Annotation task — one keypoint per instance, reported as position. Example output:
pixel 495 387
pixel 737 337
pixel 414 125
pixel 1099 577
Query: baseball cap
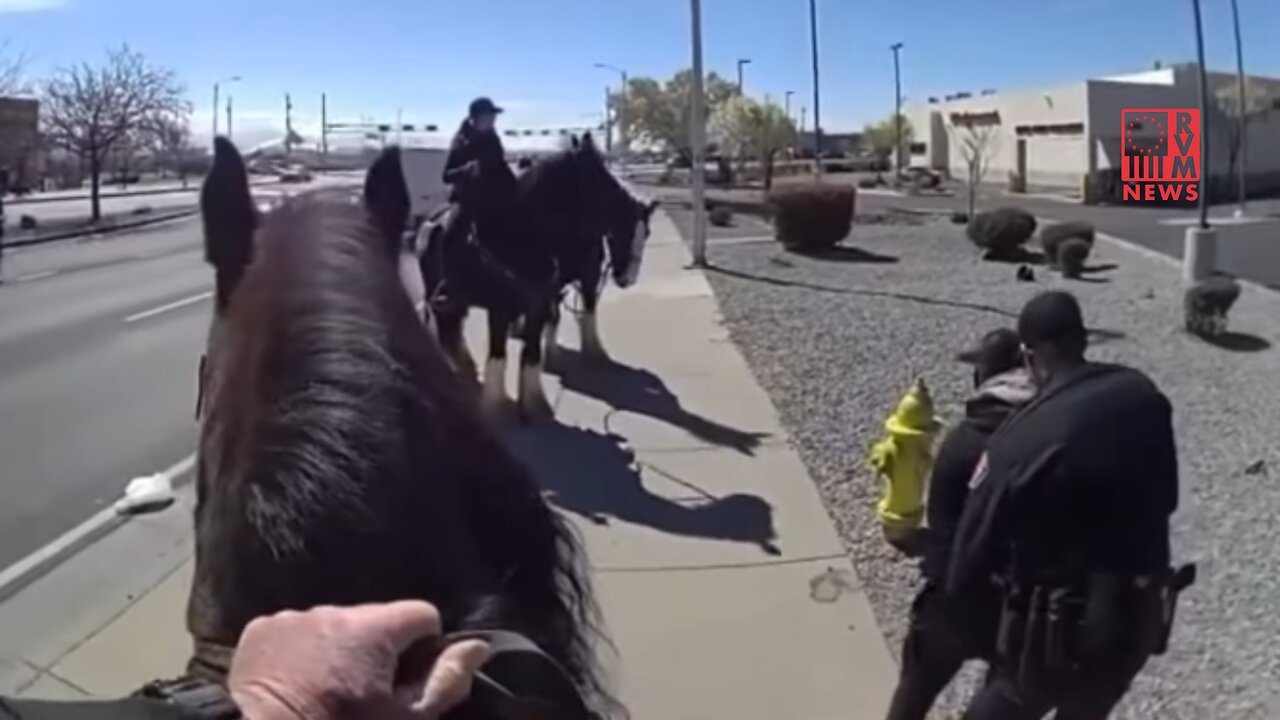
pixel 1052 317
pixel 483 106
pixel 997 351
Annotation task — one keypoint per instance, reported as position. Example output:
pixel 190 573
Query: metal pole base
pixel 1199 254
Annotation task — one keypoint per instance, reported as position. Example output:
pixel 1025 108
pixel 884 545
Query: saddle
pixel 518 682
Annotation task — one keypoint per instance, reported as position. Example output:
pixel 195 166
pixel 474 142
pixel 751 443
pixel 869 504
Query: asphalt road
pixel 94 390
pixel 100 339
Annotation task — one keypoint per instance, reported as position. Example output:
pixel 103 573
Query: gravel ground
pixel 834 342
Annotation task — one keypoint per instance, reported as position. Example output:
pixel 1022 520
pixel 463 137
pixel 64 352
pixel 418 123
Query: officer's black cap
pixel 1052 318
pixel 995 352
pixel 483 106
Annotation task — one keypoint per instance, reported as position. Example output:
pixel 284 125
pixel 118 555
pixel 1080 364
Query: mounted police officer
pixel 481 181
pixel 1069 514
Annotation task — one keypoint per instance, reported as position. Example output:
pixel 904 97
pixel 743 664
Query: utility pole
pixel 897 112
pixel 787 102
pixel 817 95
pixel 608 125
pixel 228 117
pixel 288 125
pixel 804 117
pixel 324 128
pixel 215 111
pixel 697 141
pixel 741 62
pixel 1200 244
pixel 1242 147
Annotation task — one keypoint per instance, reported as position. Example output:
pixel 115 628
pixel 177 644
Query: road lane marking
pixel 75 539
pixel 36 276
pixel 169 306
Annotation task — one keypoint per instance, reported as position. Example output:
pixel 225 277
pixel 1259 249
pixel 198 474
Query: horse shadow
pixel 635 390
pixel 596 477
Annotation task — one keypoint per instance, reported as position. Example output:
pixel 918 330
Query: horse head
pixel 340 461
pixel 627 236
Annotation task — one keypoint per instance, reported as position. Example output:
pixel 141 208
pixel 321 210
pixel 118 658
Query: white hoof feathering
pixel 533 400
pixel 494 396
pixel 591 345
pixel 466 365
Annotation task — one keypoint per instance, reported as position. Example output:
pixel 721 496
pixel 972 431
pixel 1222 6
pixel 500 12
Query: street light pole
pixel 817 101
pixel 897 111
pixel 697 141
pixel 228 116
pixel 1200 244
pixel 216 107
pixel 787 102
pixel 621 114
pixel 1242 147
pixel 741 62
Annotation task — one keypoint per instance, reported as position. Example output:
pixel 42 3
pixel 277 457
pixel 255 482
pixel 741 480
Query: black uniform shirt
pixel 1082 479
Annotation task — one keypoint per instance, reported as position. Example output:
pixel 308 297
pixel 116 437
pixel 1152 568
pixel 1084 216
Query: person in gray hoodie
pixel 947 631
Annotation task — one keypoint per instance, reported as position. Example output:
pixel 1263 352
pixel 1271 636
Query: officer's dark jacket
pixel 991 404
pixel 1082 479
pixel 486 148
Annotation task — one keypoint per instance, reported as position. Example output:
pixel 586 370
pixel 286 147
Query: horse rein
pixel 500 688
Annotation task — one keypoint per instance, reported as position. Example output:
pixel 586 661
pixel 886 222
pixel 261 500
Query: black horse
pixel 518 268
pixel 339 462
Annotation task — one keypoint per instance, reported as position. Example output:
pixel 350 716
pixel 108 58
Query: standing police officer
pixel 1069 512
pixel 946 631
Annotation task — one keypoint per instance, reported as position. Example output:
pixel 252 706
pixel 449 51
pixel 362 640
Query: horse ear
pixel 229 218
pixel 386 195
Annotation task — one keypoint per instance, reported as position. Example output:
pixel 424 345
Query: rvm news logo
pixel 1160 155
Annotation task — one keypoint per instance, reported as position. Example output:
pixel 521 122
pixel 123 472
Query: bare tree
pixel 13 64
pixel 88 109
pixel 977 145
pixel 171 136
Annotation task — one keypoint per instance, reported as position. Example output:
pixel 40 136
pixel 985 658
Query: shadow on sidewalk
pixel 1238 342
pixel 639 391
pixel 593 475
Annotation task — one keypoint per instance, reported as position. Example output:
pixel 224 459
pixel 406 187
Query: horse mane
pixel 340 462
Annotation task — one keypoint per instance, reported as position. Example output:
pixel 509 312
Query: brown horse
pixel 340 462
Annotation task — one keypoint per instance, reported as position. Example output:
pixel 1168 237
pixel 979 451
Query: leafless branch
pixel 13 64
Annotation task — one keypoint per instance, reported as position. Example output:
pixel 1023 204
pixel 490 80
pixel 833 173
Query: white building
pixel 1069 137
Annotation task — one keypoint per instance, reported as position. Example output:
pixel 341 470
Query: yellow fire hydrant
pixel 903 460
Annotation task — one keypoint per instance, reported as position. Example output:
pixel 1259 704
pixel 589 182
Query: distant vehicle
pixel 295 174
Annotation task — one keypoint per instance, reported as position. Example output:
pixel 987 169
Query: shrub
pixel 721 216
pixel 1001 232
pixel 1053 236
pixel 27 222
pixel 1072 255
pixel 813 217
pixel 142 210
pixel 959 218
pixel 867 183
pixel 1207 303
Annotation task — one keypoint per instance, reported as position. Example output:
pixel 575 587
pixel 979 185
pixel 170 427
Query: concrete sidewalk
pixel 724 585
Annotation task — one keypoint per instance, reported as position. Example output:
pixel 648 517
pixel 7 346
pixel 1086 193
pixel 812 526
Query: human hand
pixel 330 662
pixel 473 169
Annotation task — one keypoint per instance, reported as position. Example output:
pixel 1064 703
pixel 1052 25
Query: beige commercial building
pixel 1068 137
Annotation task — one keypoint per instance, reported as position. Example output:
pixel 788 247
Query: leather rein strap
pixel 518 682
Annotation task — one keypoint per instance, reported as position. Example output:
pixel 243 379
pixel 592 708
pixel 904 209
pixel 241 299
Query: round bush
pixel 1207 303
pixel 720 216
pixel 813 217
pixel 27 222
pixel 1001 232
pixel 1053 236
pixel 1072 255
pixel 867 183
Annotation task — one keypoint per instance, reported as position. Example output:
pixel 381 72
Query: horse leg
pixel 533 399
pixel 592 348
pixel 449 322
pixel 494 401
pixel 550 333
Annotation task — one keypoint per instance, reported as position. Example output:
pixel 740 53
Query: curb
pixel 195 187
pixel 22 574
pixel 106 230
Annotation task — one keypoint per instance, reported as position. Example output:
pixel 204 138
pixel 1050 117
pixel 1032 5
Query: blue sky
pixel 427 58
